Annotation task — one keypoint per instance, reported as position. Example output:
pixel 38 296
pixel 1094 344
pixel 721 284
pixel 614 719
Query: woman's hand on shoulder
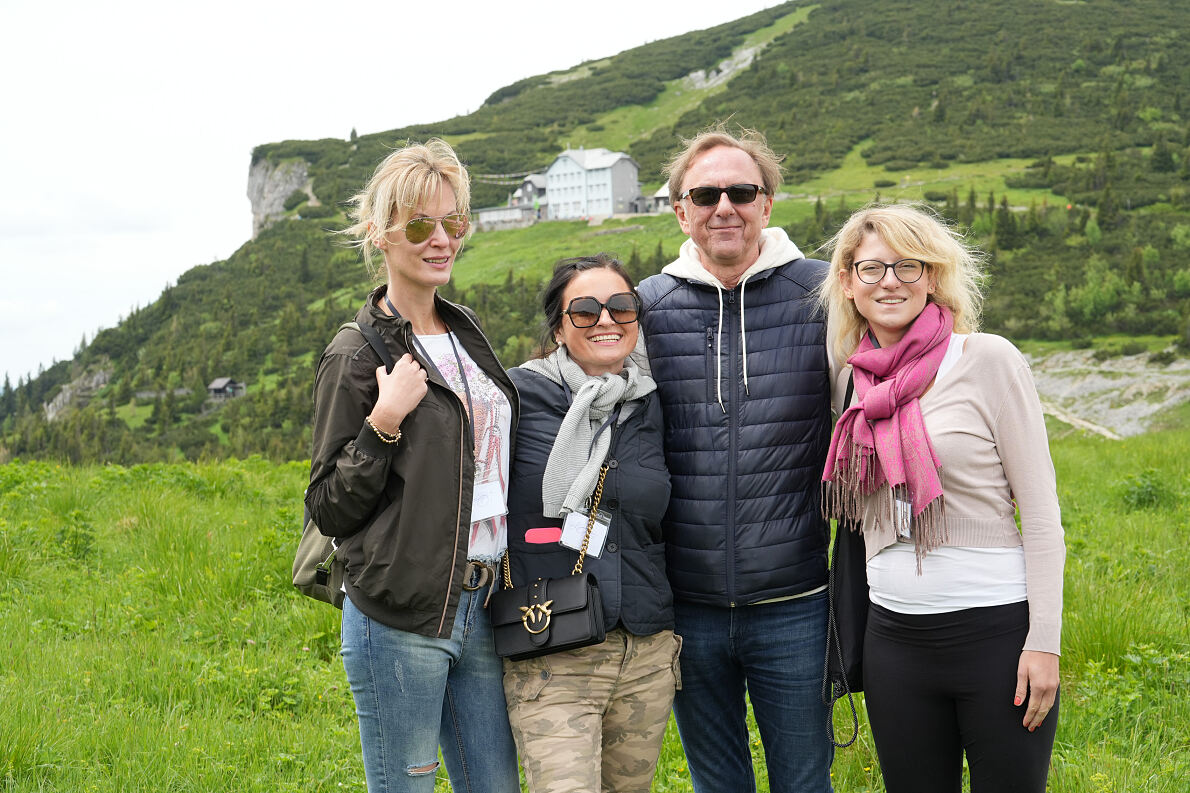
pixel 1036 686
pixel 401 390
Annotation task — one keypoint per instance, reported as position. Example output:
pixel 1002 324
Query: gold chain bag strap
pixel 550 615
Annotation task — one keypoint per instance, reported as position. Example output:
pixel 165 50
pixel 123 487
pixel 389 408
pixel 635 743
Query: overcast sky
pixel 126 128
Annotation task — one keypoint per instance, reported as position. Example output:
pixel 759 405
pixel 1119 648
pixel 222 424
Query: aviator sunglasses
pixel 709 196
pixel 622 307
pixel 419 229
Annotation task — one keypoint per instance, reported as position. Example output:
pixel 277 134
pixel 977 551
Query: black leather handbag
pixel 550 615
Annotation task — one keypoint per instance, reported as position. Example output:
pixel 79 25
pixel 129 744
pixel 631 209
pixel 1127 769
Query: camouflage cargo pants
pixel 593 719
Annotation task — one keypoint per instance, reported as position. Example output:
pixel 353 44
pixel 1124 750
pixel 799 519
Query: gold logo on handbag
pixel 536 615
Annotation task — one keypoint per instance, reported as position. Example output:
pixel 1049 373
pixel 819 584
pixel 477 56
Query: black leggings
pixel 938 685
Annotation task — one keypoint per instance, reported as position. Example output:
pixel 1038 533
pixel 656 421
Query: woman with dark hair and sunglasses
pixel 409 471
pixel 939 447
pixel 593 718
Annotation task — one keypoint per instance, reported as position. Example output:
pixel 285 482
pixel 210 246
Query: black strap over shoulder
pixel 375 341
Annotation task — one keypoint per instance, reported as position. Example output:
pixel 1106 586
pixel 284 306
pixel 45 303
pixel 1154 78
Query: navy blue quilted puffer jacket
pixel 631 570
pixel 743 380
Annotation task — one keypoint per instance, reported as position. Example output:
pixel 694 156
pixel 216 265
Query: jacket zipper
pixel 711 368
pixel 732 447
pixel 458 516
pixel 454 554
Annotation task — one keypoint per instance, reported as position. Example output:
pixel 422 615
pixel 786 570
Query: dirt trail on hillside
pixel 1089 426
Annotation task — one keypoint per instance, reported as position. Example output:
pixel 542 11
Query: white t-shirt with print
pixel 492 425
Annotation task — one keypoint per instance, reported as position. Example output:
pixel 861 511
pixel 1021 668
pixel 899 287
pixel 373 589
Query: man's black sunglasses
pixel 622 307
pixel 736 194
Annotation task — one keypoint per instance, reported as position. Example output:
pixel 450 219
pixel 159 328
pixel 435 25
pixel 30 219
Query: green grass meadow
pixel 152 640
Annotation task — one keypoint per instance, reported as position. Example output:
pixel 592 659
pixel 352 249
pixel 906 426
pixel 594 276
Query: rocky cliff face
pixel 77 392
pixel 269 184
pixel 1117 397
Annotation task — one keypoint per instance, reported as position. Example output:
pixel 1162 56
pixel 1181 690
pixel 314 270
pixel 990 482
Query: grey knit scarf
pixel 574 462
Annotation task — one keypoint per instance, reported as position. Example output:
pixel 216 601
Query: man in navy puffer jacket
pixel 736 346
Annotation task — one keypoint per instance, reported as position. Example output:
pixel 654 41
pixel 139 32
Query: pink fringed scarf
pixel 882 438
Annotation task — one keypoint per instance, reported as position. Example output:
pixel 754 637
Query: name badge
pixel 574 528
pixel 487 501
pixel 903 514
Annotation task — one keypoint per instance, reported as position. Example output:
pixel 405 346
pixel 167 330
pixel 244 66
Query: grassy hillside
pixel 928 83
pixel 520 127
pixel 154 641
pixel 1054 132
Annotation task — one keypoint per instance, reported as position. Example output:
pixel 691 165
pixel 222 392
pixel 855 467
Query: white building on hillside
pixel 585 182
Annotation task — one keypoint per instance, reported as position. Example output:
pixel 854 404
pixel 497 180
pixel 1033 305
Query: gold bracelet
pixel 387 437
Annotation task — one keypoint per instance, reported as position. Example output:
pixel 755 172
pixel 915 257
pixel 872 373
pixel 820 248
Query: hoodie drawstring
pixel 776 249
pixel 719 352
pixel 719 346
pixel 744 336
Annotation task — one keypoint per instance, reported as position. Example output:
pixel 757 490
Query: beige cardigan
pixel 986 426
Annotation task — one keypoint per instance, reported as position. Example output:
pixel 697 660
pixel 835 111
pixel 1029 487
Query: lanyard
pixel 462 372
pixel 610 422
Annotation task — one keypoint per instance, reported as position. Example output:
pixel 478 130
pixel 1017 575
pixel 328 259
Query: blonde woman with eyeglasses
pixel 409 470
pixel 940 444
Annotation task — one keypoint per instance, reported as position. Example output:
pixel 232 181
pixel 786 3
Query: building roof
pixel 221 382
pixel 537 180
pixel 593 159
pixel 662 192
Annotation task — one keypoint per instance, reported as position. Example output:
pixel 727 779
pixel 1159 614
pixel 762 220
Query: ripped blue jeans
pixel 413 693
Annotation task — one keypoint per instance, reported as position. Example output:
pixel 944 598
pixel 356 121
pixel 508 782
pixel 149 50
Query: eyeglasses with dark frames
pixel 419 229
pixel 907 271
pixel 622 307
pixel 709 196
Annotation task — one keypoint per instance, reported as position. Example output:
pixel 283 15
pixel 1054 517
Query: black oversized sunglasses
pixel 622 307
pixel 419 229
pixel 736 194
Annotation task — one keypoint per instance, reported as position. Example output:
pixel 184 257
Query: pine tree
pixel 1162 160
pixel 1109 210
pixel 303 273
pixel 1006 228
pixel 659 259
pixel 1134 267
pixel 967 215
pixel 635 267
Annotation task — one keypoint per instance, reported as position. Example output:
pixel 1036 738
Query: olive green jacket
pixel 403 510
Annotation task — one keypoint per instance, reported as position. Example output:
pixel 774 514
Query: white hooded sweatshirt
pixel 776 249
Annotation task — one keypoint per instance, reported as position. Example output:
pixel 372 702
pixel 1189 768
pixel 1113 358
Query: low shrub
pixel 1146 490
pixel 320 211
pixel 295 199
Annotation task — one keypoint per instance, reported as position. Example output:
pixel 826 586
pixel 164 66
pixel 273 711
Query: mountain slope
pixel 923 100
